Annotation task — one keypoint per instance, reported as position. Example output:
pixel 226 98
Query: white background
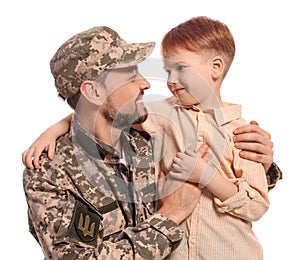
pixel 263 78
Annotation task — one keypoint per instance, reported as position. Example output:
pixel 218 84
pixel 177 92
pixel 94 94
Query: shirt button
pixel 193 241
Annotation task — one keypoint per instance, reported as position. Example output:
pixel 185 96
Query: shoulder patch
pixel 85 224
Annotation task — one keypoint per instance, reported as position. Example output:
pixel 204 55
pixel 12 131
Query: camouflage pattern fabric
pixel 274 174
pixel 77 209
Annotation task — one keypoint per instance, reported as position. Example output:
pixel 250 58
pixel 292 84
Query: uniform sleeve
pixel 251 201
pixel 153 233
pixel 274 174
pixel 67 228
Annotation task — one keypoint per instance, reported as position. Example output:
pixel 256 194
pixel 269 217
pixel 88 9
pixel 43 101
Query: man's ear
pixel 90 90
pixel 217 66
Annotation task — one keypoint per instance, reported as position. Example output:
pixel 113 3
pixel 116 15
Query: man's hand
pixel 255 144
pixel 178 199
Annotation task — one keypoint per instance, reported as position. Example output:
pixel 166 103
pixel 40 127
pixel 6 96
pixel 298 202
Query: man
pixel 96 198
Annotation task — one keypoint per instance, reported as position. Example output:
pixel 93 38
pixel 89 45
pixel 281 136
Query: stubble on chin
pixel 124 120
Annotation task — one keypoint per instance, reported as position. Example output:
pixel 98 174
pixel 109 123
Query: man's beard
pixel 123 120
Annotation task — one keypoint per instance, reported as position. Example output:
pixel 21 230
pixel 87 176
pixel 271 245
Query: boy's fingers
pixel 203 150
pixel 27 158
pixel 51 151
pixel 206 157
pixel 191 150
pixel 176 160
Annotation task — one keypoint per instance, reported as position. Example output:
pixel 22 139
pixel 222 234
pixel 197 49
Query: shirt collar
pixel 222 115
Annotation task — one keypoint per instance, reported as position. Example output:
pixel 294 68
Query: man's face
pixel 125 89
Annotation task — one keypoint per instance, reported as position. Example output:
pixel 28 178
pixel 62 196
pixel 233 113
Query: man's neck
pixel 102 129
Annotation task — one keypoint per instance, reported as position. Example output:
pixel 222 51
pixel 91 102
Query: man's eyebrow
pixel 130 69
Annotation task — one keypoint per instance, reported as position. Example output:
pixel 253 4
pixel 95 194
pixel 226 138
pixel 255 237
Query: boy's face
pixel 189 75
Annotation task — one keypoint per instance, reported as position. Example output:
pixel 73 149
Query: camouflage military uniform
pixel 83 204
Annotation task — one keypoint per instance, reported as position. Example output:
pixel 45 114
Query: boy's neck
pixel 211 102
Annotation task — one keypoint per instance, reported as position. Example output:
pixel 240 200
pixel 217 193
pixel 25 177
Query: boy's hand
pixel 192 166
pixel 44 142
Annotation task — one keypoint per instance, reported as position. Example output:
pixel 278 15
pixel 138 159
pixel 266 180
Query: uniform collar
pixel 92 145
pixel 96 148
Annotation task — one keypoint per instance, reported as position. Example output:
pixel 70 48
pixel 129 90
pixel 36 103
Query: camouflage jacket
pixel 86 204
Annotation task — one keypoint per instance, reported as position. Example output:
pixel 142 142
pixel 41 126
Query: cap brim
pixel 134 54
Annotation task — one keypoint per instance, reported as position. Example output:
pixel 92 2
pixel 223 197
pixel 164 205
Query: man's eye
pixel 134 75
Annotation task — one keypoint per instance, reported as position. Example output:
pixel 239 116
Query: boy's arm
pixel 256 145
pixel 45 142
pixel 243 195
pixel 251 201
pixel 195 167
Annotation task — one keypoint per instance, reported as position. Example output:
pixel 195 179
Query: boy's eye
pixel 181 67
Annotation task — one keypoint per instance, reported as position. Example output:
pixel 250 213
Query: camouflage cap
pixel 85 55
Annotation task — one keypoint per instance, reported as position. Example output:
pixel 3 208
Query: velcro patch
pixel 85 223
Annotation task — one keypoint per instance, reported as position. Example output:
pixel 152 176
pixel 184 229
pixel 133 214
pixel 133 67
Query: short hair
pixel 200 34
pixel 73 100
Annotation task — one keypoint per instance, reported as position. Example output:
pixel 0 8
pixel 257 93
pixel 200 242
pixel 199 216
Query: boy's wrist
pixel 208 175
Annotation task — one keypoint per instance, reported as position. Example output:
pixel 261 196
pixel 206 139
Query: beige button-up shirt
pixel 216 229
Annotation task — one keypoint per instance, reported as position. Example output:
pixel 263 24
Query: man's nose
pixel 143 83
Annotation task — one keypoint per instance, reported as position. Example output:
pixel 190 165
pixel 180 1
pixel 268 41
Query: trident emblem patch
pixel 85 223
pixel 85 227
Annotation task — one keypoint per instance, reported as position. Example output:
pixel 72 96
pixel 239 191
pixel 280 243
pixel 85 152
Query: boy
pixel 197 55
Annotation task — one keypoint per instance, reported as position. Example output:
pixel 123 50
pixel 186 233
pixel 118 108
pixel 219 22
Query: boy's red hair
pixel 200 34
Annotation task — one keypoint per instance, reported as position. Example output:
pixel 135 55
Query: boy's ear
pixel 90 90
pixel 217 67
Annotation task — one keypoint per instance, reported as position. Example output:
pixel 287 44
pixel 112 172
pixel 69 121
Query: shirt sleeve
pixel 251 201
pixel 51 206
